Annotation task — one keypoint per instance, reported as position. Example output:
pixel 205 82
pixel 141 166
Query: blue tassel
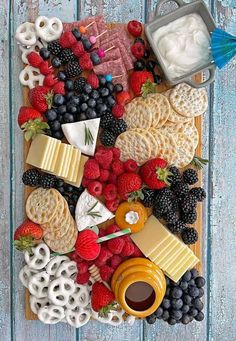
pixel 223 47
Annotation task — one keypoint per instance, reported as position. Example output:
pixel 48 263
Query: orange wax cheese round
pixel 131 215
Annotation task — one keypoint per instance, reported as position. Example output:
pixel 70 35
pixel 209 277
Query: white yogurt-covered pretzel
pixel 25 274
pixel 67 269
pixel 60 289
pixel 37 303
pixel 51 314
pixel 38 284
pixel 80 297
pixel 48 29
pixel 26 34
pixel 31 77
pixel 117 317
pixel 54 264
pixel 40 257
pixel 130 320
pixel 78 317
pixel 102 319
pixel 34 48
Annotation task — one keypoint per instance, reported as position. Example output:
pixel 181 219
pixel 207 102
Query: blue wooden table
pixel 219 227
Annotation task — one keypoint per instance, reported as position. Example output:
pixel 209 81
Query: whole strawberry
pixel 154 173
pixel 128 184
pixel 27 235
pixel 142 83
pixel 41 98
pixel 31 122
pixel 102 299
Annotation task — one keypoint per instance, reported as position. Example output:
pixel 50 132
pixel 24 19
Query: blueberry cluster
pixel 177 205
pixel 34 178
pixel 182 302
pixel 81 102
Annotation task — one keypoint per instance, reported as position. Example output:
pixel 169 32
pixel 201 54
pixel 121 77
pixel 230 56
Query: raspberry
pixel 135 28
pixel 85 62
pixel 67 39
pixel 112 205
pixel 110 192
pixel 91 169
pixel 104 158
pixel 117 167
pixel 34 59
pixel 93 80
pixel 118 110
pixel 45 69
pixel 127 239
pixel 123 97
pixel 82 267
pixel 127 250
pixel 78 49
pixel 106 272
pixel 137 252
pixel 116 261
pixel 49 80
pixel 73 256
pixel 83 278
pixel 104 175
pixel 130 165
pixel 85 182
pixel 59 88
pixel 115 152
pixel 112 178
pixel 104 255
pixel 101 147
pixel 116 245
pixel 95 188
pixel 112 229
pixel 102 232
pixel 138 50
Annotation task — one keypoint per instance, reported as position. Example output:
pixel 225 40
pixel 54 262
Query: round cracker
pixel 138 114
pixel 162 109
pixel 61 212
pixel 188 101
pixel 185 150
pixel 66 243
pixel 152 141
pixel 167 148
pixel 61 230
pixel 41 205
pixel 133 145
pixel 174 117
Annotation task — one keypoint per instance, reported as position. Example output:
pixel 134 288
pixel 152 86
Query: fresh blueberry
pixel 101 108
pixel 166 303
pixel 185 319
pixel 56 62
pixel 58 134
pixel 158 313
pixel 61 76
pixel 74 198
pixel 95 58
pixel 59 183
pixel 102 80
pixel 157 79
pixel 75 100
pixel 68 188
pixel 200 282
pixel 201 292
pixel 72 209
pixel 183 285
pixel 69 84
pixel 44 53
pixel 87 89
pixel 68 118
pixel 84 97
pixel 193 291
pixel 83 107
pixel 71 108
pixel 176 314
pixel 94 94
pixel 91 113
pixel 61 190
pixel 139 65
pixel 58 99
pixel 185 308
pixel 151 319
pixel 48 132
pixel 51 115
pixel 76 33
pixel 110 101
pixel 66 197
pixel 104 92
pixel 82 117
pixel 92 103
pixel 118 88
pixel 150 65
pixel 165 315
pixel 55 125
pixel 199 317
pixel 194 273
pixel 61 109
pixel 86 43
pixel 171 321
pixel 187 299
pixel 177 303
pixel 69 95
pixel 198 304
pixel 100 100
pixel 176 292
pixel 146 54
pixel 187 276
pixel 60 118
pixel 193 312
pixel 110 87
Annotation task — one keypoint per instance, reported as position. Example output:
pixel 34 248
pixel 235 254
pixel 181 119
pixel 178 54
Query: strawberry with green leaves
pixel 27 235
pixel 41 98
pixel 31 122
pixel 155 173
pixel 129 185
pixel 142 83
pixel 102 299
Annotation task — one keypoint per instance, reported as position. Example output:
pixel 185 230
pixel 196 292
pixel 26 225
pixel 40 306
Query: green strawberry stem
pixel 34 127
pixel 198 162
pixel 61 254
pixel 114 235
pixel 49 98
pixel 148 88
pixel 163 174
pixel 105 310
pixel 25 243
pixel 134 196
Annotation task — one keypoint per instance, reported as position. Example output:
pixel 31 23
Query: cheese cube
pixel 67 160
pixel 61 159
pixel 80 172
pixel 54 155
pixel 74 164
pixel 38 151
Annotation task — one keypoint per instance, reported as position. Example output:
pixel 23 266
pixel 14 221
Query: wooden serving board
pixel 29 315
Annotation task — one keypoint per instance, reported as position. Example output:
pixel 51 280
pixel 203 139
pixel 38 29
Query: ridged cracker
pixel 41 205
pixel 138 114
pixel 174 116
pixel 152 141
pixel 188 101
pixel 166 145
pixel 133 145
pixel 161 111
pixel 185 150
pixel 66 243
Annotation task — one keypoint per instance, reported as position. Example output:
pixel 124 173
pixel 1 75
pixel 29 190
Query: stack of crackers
pixel 49 209
pixel 162 125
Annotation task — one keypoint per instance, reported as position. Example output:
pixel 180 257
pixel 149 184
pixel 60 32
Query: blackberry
pixel 199 193
pixel 171 217
pixel 79 84
pixel 66 56
pixel 73 69
pixel 180 188
pixel 31 177
pixel 189 235
pixel 149 197
pixel 118 126
pixel 106 120
pixel 156 212
pixel 177 226
pixel 190 176
pixel 176 175
pixel 189 217
pixel 188 203
pixel 55 48
pixel 107 138
pixel 48 181
pixel 163 203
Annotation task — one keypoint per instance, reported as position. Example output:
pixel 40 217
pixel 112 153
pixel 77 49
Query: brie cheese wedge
pixel 90 211
pixel 82 135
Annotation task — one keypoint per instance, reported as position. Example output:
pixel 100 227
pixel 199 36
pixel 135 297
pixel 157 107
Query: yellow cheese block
pixel 74 165
pixel 166 241
pixel 67 160
pixel 181 256
pixel 165 253
pixel 54 155
pixel 150 236
pixel 38 151
pixel 171 257
pixel 179 262
pixel 61 159
pixel 80 173
pixel 187 265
